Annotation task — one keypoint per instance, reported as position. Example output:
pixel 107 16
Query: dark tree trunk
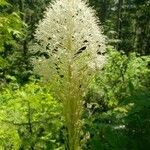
pixel 119 22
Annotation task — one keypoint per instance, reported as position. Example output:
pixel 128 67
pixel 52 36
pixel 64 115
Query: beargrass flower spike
pixel 71 38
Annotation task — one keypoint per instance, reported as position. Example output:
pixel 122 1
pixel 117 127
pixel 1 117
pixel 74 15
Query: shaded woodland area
pixel 114 106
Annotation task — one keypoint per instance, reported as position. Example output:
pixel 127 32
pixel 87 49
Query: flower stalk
pixel 71 37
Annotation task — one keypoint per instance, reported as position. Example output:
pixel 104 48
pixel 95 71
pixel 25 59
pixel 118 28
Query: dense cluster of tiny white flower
pixel 69 34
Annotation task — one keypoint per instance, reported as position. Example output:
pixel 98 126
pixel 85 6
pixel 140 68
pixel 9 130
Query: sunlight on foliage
pixel 30 116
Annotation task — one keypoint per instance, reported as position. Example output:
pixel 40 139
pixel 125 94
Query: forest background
pixel 117 104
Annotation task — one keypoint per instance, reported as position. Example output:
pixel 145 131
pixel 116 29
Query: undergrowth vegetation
pixel 118 104
pixel 116 109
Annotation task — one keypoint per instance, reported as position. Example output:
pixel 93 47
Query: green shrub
pixel 118 104
pixel 29 118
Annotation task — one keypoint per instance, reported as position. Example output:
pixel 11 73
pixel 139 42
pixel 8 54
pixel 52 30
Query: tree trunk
pixel 119 22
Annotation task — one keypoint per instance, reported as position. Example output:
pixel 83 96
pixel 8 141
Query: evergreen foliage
pixel 11 31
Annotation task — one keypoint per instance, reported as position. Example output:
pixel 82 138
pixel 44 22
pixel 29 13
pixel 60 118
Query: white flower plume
pixel 69 34
pixel 71 37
